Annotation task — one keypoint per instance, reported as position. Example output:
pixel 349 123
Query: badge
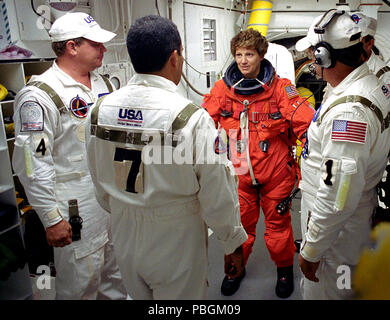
pixel 317 114
pixel 349 131
pixel 305 149
pixel 31 116
pixel 386 90
pixel 79 107
pixel 220 146
pixel 291 91
pixel 240 146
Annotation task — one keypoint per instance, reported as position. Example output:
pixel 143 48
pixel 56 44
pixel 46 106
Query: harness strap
pixel 255 114
pixel 52 94
pixel 138 138
pixel 365 102
pixel 108 84
pixel 56 98
pixel 382 71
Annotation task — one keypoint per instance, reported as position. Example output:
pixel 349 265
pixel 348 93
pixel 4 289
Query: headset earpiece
pixel 324 55
pixel 323 52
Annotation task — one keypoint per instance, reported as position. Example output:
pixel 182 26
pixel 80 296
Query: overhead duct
pixel 277 54
pixel 260 15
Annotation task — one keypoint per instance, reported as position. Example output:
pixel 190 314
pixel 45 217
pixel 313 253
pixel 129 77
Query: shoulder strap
pixel 184 115
pixel 95 111
pixel 108 84
pixel 51 93
pixel 382 71
pixel 365 102
pixel 135 138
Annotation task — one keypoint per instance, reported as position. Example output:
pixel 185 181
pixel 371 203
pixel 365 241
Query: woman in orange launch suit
pixel 263 116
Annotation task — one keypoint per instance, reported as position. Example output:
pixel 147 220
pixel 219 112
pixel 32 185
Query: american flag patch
pixel 291 91
pixel 351 131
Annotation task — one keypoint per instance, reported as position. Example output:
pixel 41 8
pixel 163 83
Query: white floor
pixel 260 280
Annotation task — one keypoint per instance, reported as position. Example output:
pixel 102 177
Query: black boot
pixel 285 283
pixel 230 285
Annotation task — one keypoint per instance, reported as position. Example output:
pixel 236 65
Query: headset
pixel 324 54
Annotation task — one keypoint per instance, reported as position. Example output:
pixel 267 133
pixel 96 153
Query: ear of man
pixel 71 47
pixel 174 58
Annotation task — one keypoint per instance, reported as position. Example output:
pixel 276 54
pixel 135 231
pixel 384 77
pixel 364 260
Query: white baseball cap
pixel 365 23
pixel 78 24
pixel 340 31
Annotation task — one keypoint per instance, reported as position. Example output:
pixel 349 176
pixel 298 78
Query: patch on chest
pixel 79 107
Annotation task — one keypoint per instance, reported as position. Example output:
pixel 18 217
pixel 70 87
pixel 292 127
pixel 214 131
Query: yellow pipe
pixel 260 15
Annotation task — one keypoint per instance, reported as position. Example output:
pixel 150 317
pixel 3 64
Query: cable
pixel 291 123
pixel 182 73
pixel 191 86
pixel 38 14
pixel 185 60
pixel 158 10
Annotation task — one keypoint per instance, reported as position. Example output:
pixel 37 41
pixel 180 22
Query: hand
pixel 309 268
pixel 60 234
pixel 234 263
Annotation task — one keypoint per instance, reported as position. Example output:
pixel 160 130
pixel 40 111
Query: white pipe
pixel 129 12
pixel 117 15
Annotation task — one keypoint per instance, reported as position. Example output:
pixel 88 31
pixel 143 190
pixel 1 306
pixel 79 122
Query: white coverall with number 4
pixel 50 160
pixel 347 154
pixel 162 198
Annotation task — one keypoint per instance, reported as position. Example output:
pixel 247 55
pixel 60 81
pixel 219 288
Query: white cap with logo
pixel 366 23
pixel 78 24
pixel 337 28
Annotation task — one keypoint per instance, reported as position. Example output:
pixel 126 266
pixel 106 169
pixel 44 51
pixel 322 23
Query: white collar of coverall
pixel 151 80
pixel 356 74
pixel 375 63
pixel 67 80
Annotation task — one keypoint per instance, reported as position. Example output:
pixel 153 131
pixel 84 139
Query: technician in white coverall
pixel 50 159
pixel 375 63
pixel 344 159
pixel 161 170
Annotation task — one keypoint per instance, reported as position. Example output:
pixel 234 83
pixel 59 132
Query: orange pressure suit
pixel 266 115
